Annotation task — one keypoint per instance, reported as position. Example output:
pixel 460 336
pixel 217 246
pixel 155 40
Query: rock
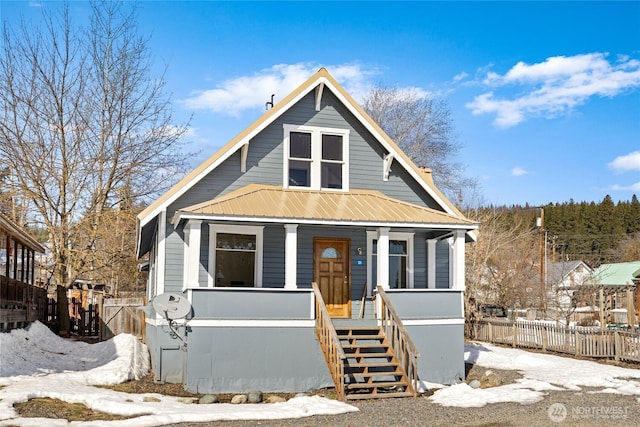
pixel 489 379
pixel 274 399
pixel 474 384
pixel 254 396
pixel 186 400
pixel 150 399
pixel 208 398
pixel 238 399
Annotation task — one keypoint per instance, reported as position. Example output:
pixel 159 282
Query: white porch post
pixel 457 260
pixel 383 257
pixel 192 234
pixel 290 256
pixel 431 263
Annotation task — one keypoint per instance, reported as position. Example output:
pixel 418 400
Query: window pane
pixel 332 147
pixel 235 268
pixel 331 253
pixel 331 175
pixel 398 247
pixel 236 241
pixel 300 145
pixel 397 272
pixel 299 173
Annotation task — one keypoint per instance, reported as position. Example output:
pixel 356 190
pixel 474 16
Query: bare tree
pixel 500 266
pixel 423 128
pixel 83 119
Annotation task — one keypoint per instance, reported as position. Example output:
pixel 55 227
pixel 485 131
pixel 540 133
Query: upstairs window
pixel 315 158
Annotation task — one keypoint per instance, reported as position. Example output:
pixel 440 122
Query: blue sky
pixel 545 96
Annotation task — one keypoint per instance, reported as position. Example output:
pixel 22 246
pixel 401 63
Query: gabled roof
pixel 365 207
pixel 19 234
pixel 322 76
pixel 558 271
pixel 618 274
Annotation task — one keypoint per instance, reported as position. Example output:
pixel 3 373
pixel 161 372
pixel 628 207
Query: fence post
pixel 616 342
pixel 544 338
pixel 515 334
pixel 490 331
pixel 578 344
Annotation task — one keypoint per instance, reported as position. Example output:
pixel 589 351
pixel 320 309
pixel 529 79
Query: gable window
pixel 235 256
pixel 400 259
pixel 315 158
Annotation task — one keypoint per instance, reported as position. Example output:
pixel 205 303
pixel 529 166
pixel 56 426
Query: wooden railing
pixel 20 304
pixel 330 344
pixel 578 341
pixel 401 343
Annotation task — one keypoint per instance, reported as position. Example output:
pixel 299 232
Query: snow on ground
pixel 541 373
pixel 36 363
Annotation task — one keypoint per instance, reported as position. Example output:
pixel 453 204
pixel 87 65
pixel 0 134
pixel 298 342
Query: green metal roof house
pixel 312 252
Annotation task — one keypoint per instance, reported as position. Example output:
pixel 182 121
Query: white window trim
pixel 257 231
pixel 316 155
pixel 408 237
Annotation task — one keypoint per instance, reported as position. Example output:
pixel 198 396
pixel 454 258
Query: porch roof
pixel 269 202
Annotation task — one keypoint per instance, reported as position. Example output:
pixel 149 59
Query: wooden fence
pixel 122 315
pixel 578 341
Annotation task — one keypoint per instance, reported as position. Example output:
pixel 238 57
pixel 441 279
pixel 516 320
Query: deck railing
pixel 330 344
pixel 578 341
pixel 401 343
pixel 20 304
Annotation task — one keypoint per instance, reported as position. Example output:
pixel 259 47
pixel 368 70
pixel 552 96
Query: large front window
pixel 400 260
pixel 315 158
pixel 235 256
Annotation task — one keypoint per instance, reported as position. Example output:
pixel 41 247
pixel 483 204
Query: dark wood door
pixel 333 275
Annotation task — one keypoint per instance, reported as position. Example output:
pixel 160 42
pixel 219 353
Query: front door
pixel 332 274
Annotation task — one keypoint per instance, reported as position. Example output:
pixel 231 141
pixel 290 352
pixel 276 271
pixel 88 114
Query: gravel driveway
pixel 584 408
pixel 587 407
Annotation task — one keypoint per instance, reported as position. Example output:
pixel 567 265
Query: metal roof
pixel 619 274
pixel 269 202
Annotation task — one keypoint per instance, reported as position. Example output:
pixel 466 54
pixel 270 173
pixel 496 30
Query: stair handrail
pixel 401 343
pixel 330 344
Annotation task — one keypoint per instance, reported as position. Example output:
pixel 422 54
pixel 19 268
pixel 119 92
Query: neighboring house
pixel 617 287
pixel 563 280
pixel 21 302
pixel 312 192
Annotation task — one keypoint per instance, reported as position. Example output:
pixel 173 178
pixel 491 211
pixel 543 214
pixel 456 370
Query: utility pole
pixel 543 258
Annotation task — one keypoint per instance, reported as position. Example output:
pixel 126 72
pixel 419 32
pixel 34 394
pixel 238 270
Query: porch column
pixel 290 256
pixel 457 260
pixel 431 263
pixel 192 233
pixel 383 257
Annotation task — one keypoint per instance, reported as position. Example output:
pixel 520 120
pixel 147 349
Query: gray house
pixel 312 253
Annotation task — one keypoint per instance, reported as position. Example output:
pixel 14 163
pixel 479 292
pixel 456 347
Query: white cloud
pixel 518 171
pixel 555 86
pixel 627 162
pixel 233 96
pixel 632 187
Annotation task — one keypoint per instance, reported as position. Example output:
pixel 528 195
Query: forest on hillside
pixel 597 233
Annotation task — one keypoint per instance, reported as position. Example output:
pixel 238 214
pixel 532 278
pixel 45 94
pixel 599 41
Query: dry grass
pixel 58 409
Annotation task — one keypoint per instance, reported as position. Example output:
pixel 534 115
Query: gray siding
pixel 240 359
pixel 442 265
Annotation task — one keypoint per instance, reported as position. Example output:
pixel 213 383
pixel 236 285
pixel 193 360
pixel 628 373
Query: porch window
pixel 315 158
pixel 235 256
pixel 400 260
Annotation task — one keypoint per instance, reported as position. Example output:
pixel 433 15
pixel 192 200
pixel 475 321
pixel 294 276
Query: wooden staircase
pixel 371 368
pixel 367 358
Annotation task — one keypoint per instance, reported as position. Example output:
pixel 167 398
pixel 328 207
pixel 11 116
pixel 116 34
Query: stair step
pixel 372 345
pixel 357 375
pixel 360 337
pixel 385 395
pixel 376 385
